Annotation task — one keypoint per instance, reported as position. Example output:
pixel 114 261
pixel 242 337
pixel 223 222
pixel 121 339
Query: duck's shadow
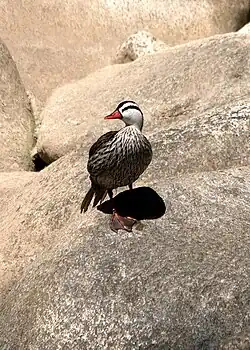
pixel 141 203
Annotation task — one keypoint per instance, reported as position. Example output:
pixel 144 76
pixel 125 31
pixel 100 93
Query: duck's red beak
pixel 114 115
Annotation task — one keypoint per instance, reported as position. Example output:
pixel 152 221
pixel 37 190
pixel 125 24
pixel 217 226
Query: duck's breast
pixel 125 159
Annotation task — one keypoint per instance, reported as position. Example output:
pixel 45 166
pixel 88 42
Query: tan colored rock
pixel 16 120
pixel 137 45
pixel 170 86
pixel 86 287
pixel 61 268
pixel 54 44
pixel 11 186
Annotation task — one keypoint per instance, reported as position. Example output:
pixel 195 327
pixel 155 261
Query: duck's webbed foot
pixel 118 222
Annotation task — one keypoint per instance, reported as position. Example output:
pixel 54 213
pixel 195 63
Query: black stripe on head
pixel 131 107
pixel 125 102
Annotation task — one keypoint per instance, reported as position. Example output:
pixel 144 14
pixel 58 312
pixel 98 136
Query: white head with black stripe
pixel 129 112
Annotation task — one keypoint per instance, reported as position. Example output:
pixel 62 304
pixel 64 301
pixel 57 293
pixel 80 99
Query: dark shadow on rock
pixel 142 203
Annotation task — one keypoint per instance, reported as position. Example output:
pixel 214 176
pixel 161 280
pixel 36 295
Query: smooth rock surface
pixel 54 42
pixel 179 83
pixel 16 120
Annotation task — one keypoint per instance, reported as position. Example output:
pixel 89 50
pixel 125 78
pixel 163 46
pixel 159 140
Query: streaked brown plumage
pixel 118 158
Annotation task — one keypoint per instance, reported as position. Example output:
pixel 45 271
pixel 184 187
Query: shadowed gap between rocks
pixel 39 163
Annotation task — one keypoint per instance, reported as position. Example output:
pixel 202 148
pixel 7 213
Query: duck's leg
pixel 130 186
pixel 119 222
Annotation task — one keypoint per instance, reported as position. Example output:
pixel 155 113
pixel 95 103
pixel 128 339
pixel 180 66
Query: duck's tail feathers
pixel 87 200
pixel 99 194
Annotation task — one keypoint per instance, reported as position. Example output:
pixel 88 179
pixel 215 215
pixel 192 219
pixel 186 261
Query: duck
pixel 117 159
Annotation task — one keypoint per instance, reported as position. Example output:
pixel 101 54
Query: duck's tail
pixel 99 195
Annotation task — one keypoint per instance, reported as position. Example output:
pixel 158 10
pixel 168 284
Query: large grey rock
pixel 16 120
pixel 170 86
pixel 54 44
pixel 180 281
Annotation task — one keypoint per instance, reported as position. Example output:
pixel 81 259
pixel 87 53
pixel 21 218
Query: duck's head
pixel 129 112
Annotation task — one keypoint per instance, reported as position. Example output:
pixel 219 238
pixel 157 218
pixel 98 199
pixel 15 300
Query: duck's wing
pixel 99 154
pixel 101 142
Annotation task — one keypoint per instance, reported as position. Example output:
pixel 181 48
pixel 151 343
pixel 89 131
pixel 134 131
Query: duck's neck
pixel 138 125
